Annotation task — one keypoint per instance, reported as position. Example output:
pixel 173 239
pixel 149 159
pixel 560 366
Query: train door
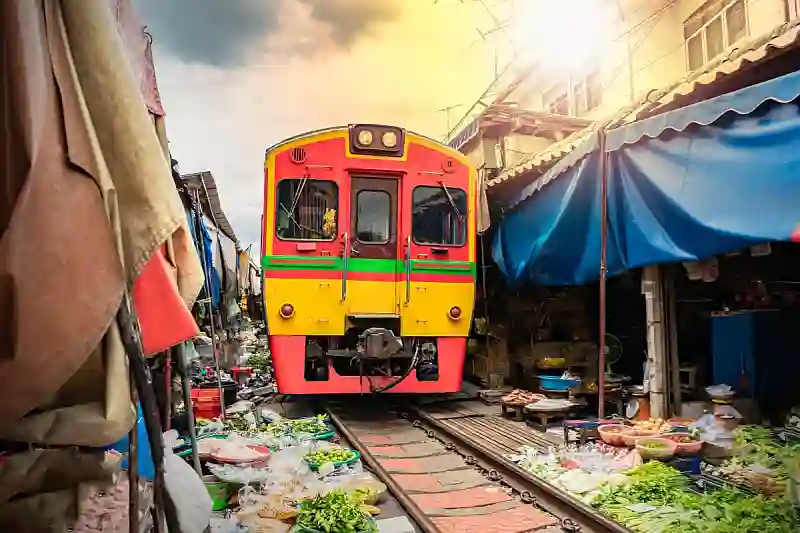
pixel 372 268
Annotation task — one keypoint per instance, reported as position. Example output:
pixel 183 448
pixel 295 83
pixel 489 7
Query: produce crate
pixel 206 403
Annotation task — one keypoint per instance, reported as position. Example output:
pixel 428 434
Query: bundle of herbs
pixel 762 462
pixel 334 512
pixel 657 500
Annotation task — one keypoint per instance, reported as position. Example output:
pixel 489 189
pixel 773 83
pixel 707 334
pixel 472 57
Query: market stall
pixel 661 476
pixel 269 473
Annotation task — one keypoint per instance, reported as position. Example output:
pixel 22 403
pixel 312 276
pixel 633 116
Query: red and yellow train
pixel 369 261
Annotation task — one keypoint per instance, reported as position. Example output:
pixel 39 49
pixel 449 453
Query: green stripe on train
pixel 357 264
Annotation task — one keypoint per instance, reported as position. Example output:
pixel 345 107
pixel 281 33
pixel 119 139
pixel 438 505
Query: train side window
pixel 439 216
pixel 307 210
pixel 373 216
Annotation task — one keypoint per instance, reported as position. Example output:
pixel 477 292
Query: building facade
pixel 655 44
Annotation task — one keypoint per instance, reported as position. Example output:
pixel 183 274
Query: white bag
pixel 192 501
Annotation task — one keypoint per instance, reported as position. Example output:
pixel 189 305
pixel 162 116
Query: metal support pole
pixel 133 468
pixel 183 370
pixel 214 345
pixel 168 391
pixel 143 380
pixel 601 360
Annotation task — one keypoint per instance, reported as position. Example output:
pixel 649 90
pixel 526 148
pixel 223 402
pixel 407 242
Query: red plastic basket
pixel 206 403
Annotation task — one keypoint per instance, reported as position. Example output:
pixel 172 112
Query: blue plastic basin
pixel 555 383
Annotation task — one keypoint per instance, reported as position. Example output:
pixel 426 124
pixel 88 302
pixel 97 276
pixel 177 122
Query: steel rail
pixel 574 515
pixel 416 514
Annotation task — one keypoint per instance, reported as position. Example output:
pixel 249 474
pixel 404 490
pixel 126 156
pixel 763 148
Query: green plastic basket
pixel 219 492
pixel 337 464
pixel 324 436
pixel 302 529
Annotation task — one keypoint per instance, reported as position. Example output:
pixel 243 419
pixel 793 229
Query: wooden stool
pixel 541 419
pixel 587 430
pixel 514 411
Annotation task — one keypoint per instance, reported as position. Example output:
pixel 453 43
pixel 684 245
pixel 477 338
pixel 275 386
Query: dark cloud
pixel 224 33
pixel 221 33
pixel 350 19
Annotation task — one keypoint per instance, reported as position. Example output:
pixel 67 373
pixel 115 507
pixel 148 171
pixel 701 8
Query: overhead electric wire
pixel 532 65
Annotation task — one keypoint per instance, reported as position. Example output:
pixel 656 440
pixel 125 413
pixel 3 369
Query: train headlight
pixel 286 311
pixel 454 313
pixel 365 138
pixel 389 139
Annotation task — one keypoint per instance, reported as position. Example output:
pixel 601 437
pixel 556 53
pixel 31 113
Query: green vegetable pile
pixel 261 362
pixel 331 455
pixel 759 449
pixel 364 496
pixel 334 512
pixel 317 425
pixel 670 507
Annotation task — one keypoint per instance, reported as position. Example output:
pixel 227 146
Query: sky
pixel 237 76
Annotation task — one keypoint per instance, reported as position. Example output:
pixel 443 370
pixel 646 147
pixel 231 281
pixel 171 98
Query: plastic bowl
pixel 554 383
pixel 685 449
pixel 613 434
pixel 219 492
pixel 666 451
pixel 634 435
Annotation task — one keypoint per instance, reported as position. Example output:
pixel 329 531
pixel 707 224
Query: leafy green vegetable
pixel 334 512
pixel 260 361
pixel 317 425
pixel 677 509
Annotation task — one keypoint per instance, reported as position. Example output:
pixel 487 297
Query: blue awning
pixel 783 90
pixel 711 178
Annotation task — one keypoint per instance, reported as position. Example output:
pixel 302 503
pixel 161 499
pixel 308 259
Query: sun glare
pixel 564 34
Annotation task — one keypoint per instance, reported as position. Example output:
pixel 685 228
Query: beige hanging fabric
pixel 149 207
pixel 60 274
pixel 96 195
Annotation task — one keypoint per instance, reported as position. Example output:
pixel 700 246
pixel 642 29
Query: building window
pixel 587 93
pixel 581 96
pixel 306 210
pixel 793 9
pixel 556 99
pixel 712 29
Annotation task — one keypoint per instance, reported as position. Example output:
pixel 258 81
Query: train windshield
pixel 306 209
pixel 439 216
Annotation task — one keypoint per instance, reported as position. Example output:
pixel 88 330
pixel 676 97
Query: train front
pixel 369 262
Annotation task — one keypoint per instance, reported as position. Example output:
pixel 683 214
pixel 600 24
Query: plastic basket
pixel 324 436
pixel 219 492
pixel 337 464
pixel 794 482
pixel 302 529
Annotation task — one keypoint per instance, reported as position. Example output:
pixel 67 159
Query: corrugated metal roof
pixel 756 50
pixel 551 154
pixel 211 203
pixel 766 46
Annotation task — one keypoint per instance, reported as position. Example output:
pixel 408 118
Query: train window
pixel 307 210
pixel 439 216
pixel 373 212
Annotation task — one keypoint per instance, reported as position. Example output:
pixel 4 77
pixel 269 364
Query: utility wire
pixel 653 16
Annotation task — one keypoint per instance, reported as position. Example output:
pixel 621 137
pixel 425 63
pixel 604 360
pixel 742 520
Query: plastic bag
pixel 215 426
pixel 192 501
pixel 711 430
pixel 268 416
pixel 239 474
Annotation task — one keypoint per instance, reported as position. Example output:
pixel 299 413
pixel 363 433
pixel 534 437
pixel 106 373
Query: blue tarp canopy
pixel 711 178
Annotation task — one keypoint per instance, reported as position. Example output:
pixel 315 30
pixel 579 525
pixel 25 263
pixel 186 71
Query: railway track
pixel 451 476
